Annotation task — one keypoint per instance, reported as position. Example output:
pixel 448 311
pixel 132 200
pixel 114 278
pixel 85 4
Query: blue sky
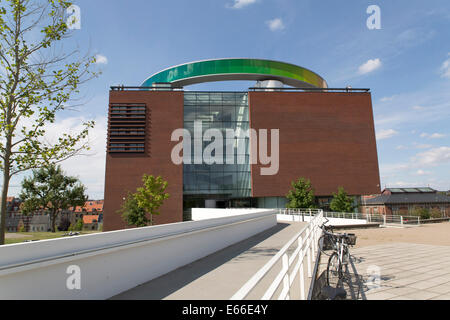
pixel 406 64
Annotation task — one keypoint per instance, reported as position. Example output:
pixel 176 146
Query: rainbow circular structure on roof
pixel 237 69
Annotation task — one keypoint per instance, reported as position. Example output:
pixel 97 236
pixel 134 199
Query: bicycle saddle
pixel 333 293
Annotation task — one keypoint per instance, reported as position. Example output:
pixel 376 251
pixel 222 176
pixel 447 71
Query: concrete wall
pixel 113 262
pixel 208 213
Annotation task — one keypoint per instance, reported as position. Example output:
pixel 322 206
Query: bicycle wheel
pixel 334 273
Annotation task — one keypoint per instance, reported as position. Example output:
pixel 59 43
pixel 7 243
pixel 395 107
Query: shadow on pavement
pixel 159 288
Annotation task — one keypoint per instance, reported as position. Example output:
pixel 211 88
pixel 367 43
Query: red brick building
pixel 404 201
pixel 325 135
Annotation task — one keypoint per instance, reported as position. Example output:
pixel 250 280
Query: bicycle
pixel 340 256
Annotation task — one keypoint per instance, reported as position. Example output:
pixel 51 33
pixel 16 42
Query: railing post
pixel 286 277
pixel 401 220
pixel 384 220
pixel 308 259
pixel 301 271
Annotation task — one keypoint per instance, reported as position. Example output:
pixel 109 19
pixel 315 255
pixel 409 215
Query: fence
pixel 370 218
pixel 292 265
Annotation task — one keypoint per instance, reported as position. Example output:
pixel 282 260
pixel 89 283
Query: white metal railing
pixel 370 218
pixel 292 265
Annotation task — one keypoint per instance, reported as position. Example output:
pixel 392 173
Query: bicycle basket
pixel 351 239
pixel 328 243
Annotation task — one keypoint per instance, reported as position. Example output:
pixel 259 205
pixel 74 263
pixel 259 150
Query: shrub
pixel 423 213
pixel 436 213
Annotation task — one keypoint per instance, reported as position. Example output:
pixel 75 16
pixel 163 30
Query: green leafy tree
pixel 49 189
pixel 38 78
pixel 301 195
pixel 79 225
pixel 341 202
pixel 139 208
pixel 132 214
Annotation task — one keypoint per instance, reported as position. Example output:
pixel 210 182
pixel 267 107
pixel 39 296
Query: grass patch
pixel 26 236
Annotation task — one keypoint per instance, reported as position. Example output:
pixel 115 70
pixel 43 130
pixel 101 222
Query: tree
pixel 301 195
pixel 64 224
pixel 341 202
pixel 145 202
pixel 51 190
pixel 79 225
pixel 132 214
pixel 37 80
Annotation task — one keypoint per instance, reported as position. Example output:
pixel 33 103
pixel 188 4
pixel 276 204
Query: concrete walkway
pixel 398 271
pixel 220 275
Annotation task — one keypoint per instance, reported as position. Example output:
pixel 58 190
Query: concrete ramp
pixel 220 275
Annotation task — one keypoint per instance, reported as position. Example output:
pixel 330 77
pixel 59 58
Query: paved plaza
pixel 406 271
pixel 399 264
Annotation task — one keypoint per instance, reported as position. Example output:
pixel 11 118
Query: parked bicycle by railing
pixel 340 257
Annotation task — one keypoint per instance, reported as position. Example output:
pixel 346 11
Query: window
pixel 223 111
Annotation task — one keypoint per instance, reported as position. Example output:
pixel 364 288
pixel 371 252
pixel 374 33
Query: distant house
pixel 90 222
pixel 12 204
pixel 403 201
pixel 40 220
pixel 40 223
pixel 93 207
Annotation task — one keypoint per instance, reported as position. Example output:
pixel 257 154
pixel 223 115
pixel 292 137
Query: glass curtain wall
pixel 222 111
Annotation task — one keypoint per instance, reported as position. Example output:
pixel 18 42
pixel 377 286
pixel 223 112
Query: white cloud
pixel 422 173
pixel 275 24
pixel 437 136
pixel 386 99
pixel 89 167
pixel 432 136
pixel 436 102
pixel 432 157
pixel 386 134
pixel 424 146
pixel 238 4
pixel 445 68
pixel 370 65
pixel 418 108
pixel 101 59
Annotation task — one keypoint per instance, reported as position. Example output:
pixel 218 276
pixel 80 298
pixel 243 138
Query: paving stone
pixel 422 295
pixel 401 298
pixel 442 297
pixel 379 296
pixel 422 285
pixel 401 291
pixel 442 289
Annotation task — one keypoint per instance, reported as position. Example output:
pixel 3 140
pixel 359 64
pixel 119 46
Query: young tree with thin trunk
pixel 341 202
pixel 139 207
pixel 301 195
pixel 37 80
pixel 50 190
